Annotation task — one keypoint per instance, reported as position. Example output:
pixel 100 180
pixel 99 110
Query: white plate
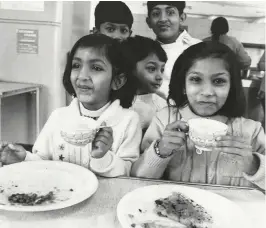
pixel 70 183
pixel 225 213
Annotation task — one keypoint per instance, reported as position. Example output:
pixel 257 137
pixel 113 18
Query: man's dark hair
pixel 219 27
pixel 180 5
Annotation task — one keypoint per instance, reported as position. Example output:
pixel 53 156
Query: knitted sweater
pixel 125 148
pixel 146 106
pixel 209 167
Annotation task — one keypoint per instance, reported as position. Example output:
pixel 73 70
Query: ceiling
pixel 251 11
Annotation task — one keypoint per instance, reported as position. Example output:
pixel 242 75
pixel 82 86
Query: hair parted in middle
pixel 235 103
pixel 111 49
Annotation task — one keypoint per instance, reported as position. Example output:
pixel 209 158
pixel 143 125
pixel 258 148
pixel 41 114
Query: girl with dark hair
pixel 95 75
pixel 219 30
pixel 205 83
pixel 146 61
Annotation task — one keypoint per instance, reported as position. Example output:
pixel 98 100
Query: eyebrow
pixel 216 74
pixel 168 7
pixel 91 60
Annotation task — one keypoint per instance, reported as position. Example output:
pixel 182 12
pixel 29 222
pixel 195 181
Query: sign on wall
pixel 27 41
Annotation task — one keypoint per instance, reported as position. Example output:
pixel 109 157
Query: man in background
pixel 166 18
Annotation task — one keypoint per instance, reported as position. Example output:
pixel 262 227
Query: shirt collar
pixel 183 37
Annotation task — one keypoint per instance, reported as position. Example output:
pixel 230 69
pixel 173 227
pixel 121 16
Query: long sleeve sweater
pixel 116 162
pixel 209 167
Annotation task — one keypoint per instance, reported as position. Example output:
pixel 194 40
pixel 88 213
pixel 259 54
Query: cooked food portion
pixel 183 210
pixel 151 220
pixel 30 199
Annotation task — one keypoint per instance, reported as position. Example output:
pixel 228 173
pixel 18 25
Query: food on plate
pixel 184 210
pixel 174 211
pixel 30 199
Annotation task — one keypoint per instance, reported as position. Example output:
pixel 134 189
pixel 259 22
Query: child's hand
pixel 238 146
pixel 11 153
pixel 102 142
pixel 173 137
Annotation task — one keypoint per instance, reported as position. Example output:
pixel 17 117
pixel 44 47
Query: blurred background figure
pixel 219 30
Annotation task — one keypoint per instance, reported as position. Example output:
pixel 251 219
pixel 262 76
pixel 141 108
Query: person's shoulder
pixel 65 110
pixel 159 101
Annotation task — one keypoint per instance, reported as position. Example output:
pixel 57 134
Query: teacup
pixel 203 132
pixel 81 132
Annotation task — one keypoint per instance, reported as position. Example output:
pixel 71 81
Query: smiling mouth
pixel 163 27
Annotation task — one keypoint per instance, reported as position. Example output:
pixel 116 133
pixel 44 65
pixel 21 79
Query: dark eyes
pixel 124 31
pixel 110 29
pixel 155 13
pixel 75 65
pixel 217 81
pixel 151 69
pixel 170 12
pixel 96 68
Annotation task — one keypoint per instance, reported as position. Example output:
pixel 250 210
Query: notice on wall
pixel 22 5
pixel 27 41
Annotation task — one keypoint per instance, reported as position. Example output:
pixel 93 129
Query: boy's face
pixel 165 22
pixel 149 73
pixel 115 30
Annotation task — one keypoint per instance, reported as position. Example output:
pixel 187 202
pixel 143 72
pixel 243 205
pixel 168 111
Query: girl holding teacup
pixel 205 83
pixel 95 75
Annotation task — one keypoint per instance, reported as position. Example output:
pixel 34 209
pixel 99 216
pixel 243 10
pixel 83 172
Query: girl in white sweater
pixel 95 76
pixel 146 61
pixel 205 82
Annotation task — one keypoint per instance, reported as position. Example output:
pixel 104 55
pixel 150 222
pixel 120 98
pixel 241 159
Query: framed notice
pixel 27 41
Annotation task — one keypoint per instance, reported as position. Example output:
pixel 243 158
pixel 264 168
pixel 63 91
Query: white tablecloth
pixel 100 210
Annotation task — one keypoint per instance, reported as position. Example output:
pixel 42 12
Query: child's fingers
pixel 177 125
pixel 230 137
pixel 232 144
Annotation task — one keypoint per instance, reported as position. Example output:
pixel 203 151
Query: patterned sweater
pixel 118 161
pixel 210 167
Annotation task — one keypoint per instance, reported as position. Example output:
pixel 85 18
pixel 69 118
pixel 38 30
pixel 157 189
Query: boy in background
pixel 114 19
pixel 166 18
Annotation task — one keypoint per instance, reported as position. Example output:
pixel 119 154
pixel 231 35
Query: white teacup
pixel 203 132
pixel 81 132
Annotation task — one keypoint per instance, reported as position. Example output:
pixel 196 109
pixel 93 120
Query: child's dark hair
pixel 138 48
pixel 113 11
pixel 112 51
pixel 180 5
pixel 235 103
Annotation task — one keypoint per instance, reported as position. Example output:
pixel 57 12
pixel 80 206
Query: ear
pixel 183 17
pixel 118 81
pixel 148 22
pixel 96 31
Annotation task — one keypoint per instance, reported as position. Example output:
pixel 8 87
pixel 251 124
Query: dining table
pixel 99 210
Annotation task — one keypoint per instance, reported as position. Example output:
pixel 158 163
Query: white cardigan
pixel 118 161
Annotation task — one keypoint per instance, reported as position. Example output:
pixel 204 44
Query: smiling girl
pixel 95 76
pixel 205 82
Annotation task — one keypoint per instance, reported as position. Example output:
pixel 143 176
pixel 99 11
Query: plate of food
pixel 175 206
pixel 44 185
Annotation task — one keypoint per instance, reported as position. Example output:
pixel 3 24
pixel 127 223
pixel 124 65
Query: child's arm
pixel 42 149
pixel 118 163
pixel 150 165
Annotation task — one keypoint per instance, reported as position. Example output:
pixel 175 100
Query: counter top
pixel 12 88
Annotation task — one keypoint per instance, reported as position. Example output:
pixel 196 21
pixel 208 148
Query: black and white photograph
pixel 132 114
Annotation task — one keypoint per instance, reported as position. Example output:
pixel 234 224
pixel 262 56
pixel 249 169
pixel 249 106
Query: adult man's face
pixel 165 22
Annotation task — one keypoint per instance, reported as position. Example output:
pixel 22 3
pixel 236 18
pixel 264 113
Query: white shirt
pixel 173 51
